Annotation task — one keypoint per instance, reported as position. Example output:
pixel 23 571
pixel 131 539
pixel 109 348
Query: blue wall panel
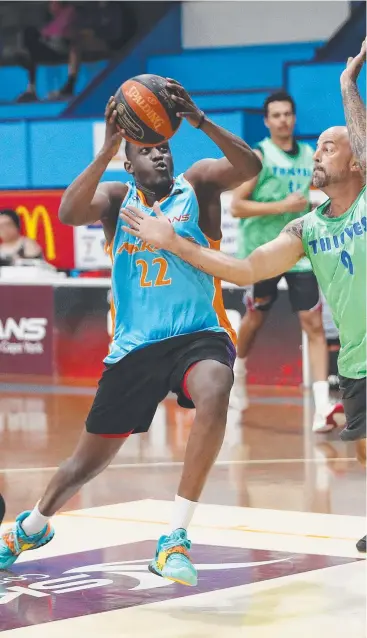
pixel 14 79
pixel 231 100
pixel 52 154
pixel 189 145
pixel 254 129
pixel 235 68
pixel 14 155
pixel 316 90
pixel 52 78
pixel 39 110
pixel 46 155
pixel 59 151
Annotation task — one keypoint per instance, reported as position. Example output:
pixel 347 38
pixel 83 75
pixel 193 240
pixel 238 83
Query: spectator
pixel 13 245
pixel 56 41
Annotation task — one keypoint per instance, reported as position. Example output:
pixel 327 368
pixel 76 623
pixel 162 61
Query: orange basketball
pixel 146 111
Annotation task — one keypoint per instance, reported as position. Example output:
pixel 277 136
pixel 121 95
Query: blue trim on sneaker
pixel 15 541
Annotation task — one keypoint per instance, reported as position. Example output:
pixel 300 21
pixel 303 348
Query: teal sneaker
pixel 172 560
pixel 15 541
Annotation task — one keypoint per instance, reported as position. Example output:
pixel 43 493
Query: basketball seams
pixel 146 111
pixel 165 98
pixel 136 132
pixel 147 107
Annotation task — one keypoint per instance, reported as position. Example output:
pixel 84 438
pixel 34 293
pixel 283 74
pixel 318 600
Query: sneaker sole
pixel 174 580
pixel 361 546
pixel 13 559
pixel 335 419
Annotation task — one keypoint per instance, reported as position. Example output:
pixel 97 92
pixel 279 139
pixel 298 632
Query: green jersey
pixel 281 174
pixel 336 247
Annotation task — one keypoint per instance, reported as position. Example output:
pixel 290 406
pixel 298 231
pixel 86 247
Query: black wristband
pixel 201 121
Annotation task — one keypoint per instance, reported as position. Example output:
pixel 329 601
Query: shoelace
pixel 177 539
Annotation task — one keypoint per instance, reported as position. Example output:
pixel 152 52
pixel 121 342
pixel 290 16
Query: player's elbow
pixel 255 167
pixel 251 167
pixel 67 214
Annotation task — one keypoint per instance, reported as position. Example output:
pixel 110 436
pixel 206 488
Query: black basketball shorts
pixel 130 390
pixel 303 292
pixel 354 401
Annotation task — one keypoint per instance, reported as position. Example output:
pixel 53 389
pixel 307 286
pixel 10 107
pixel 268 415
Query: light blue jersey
pixel 156 295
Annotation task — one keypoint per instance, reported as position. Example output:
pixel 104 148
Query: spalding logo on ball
pixel 146 111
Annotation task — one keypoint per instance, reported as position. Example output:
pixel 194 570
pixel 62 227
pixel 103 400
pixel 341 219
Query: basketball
pixel 146 111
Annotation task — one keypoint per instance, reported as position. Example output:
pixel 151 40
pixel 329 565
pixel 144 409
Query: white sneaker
pixel 332 417
pixel 238 399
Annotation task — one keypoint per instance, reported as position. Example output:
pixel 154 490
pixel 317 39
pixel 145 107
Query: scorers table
pixel 59 328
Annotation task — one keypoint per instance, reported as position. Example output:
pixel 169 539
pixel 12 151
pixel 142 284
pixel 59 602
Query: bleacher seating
pixel 13 79
pixel 237 68
pixel 230 84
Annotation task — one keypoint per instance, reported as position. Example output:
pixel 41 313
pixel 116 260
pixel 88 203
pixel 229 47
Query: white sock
pixel 239 367
pixel 183 511
pixel 35 522
pixel 321 396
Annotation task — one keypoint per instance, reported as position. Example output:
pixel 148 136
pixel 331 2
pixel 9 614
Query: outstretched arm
pixel 354 108
pixel 270 260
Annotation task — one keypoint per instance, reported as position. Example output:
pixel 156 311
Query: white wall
pixel 227 23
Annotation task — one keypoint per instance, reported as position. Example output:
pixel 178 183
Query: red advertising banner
pixel 38 211
pixel 26 330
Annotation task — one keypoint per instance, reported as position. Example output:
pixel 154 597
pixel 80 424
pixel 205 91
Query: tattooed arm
pixel 295 228
pixel 272 259
pixel 354 108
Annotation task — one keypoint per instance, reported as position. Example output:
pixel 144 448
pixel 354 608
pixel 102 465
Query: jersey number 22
pixel 160 276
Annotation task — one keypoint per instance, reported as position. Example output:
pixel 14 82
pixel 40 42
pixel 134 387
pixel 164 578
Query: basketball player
pixel 171 331
pixel 333 237
pixel 265 205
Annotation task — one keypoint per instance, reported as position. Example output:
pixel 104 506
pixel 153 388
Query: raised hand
pixel 295 203
pixel 354 107
pixel 114 134
pixel 186 107
pixel 354 65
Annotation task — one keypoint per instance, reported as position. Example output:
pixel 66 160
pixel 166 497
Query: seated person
pixel 14 246
pixel 57 41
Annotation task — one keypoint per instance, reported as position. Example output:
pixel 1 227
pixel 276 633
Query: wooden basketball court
pixel 274 538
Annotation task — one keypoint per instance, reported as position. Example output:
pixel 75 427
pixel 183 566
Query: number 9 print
pixel 347 261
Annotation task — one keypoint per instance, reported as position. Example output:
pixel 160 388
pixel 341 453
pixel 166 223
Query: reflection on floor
pixel 274 539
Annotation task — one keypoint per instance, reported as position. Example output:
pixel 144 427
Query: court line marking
pixel 124 466
pixel 220 528
pixel 235 528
